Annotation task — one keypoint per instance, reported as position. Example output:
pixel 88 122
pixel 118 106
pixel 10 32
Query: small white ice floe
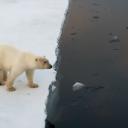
pixel 115 37
pixel 77 86
pixel 53 88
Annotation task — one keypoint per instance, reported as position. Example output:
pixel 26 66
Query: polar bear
pixel 14 62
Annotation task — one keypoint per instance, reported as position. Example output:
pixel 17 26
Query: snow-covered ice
pixel 32 25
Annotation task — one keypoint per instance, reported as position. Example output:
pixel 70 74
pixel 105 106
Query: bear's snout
pixel 50 66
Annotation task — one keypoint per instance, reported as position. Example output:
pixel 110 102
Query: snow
pixel 30 25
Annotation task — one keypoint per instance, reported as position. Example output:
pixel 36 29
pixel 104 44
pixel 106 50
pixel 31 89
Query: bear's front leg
pixel 11 77
pixel 29 75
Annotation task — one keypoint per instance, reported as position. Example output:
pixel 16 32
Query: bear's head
pixel 42 63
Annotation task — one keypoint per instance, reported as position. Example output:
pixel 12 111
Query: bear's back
pixel 6 50
pixel 8 55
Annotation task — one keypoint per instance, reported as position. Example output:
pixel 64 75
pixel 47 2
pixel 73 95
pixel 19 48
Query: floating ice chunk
pixel 53 88
pixel 114 39
pixel 77 86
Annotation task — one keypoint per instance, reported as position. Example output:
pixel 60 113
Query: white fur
pixel 11 57
pixel 16 62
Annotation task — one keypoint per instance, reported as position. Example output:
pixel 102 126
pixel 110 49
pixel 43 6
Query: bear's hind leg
pixel 29 75
pixel 10 85
pixel 11 77
pixel 3 77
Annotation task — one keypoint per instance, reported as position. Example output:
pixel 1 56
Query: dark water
pixel 93 50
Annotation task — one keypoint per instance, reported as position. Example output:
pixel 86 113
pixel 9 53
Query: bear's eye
pixel 36 59
pixel 45 62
